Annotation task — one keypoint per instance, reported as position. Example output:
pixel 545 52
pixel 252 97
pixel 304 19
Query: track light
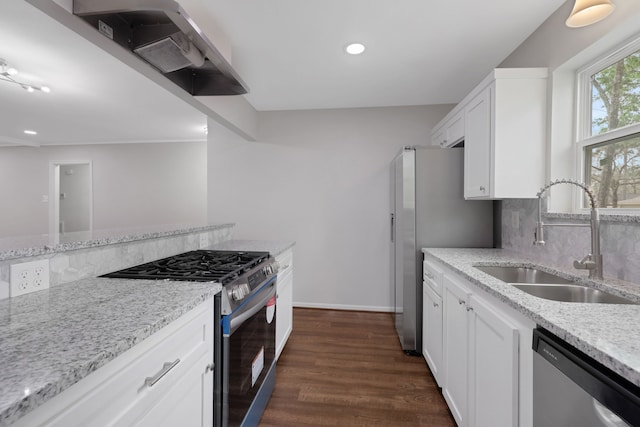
pixel 7 74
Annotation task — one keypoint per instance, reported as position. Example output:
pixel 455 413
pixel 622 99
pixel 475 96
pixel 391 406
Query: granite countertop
pixel 274 247
pixel 606 332
pixel 53 338
pixel 25 246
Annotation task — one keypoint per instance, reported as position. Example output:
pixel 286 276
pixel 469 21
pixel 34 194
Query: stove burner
pixel 197 266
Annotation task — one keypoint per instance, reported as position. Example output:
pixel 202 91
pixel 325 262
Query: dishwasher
pixel 571 389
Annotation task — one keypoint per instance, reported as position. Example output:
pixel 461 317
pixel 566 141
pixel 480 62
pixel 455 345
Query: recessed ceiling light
pixel 30 132
pixel 354 48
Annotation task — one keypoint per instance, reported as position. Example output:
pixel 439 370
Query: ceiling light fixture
pixel 7 73
pixel 354 48
pixel 587 12
pixel 30 132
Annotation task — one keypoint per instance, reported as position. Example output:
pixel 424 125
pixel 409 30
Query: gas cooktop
pixel 196 266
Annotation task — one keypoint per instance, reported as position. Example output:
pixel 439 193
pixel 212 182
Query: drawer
pixel 432 275
pixel 116 394
pixel 285 262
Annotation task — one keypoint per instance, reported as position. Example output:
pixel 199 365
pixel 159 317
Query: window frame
pixel 584 106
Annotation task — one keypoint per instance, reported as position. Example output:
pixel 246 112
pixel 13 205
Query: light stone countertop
pixel 609 333
pixel 51 339
pixel 274 247
pixel 25 246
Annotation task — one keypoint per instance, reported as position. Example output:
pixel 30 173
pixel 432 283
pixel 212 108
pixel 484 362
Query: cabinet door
pixel 477 146
pixel 455 129
pixel 455 349
pixel 493 370
pixel 284 311
pixel 432 331
pixel 188 403
pixel 438 136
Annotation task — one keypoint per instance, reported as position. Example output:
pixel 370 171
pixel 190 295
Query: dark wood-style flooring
pixel 346 368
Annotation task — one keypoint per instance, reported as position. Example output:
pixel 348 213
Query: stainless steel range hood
pixel 162 34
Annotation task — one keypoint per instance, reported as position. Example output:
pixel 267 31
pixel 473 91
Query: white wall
pixel 320 178
pixel 133 184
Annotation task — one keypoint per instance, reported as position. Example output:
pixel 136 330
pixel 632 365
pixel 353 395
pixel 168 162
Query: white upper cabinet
pixel 502 122
pixel 450 130
pixel 505 133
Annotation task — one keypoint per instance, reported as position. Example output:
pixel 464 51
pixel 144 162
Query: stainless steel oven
pixel 570 389
pixel 248 358
pixel 245 310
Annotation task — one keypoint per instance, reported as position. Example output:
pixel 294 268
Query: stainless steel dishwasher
pixel 570 389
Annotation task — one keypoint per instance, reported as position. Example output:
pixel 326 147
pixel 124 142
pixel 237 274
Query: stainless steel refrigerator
pixel 428 210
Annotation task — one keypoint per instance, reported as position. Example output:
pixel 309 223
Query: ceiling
pixel 289 52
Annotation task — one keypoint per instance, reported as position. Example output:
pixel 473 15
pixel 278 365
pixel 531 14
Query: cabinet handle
pixel 151 381
pixel 461 301
pixel 482 188
pixel 209 367
pixel 430 276
pixel 469 308
pixel 435 304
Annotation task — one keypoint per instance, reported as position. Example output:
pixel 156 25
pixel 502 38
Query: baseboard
pixel 344 307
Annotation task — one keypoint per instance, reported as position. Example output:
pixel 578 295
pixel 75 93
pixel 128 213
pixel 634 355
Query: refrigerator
pixel 428 209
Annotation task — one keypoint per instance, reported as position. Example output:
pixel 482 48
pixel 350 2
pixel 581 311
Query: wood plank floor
pixel 346 368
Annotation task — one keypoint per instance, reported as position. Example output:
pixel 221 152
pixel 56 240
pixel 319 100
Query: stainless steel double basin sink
pixel 550 286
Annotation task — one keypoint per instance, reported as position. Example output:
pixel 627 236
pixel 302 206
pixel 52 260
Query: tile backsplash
pixel 619 240
pixel 68 266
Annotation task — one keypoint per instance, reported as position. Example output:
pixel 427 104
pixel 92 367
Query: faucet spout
pixel 593 261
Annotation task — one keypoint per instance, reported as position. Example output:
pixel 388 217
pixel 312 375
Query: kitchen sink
pixel 572 293
pixel 522 275
pixel 550 286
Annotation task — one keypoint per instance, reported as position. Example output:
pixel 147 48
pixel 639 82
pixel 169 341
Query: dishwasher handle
pixel 618 394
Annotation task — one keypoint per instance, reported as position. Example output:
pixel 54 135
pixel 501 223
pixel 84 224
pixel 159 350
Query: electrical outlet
pixel 29 277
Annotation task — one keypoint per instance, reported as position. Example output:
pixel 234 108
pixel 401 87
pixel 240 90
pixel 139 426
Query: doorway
pixel 71 197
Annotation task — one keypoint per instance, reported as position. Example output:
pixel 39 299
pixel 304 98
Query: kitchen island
pixel 52 339
pixel 55 338
pixel 606 332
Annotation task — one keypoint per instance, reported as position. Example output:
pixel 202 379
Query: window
pixel 609 127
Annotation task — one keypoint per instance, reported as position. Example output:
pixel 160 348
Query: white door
pixel 493 370
pixel 477 146
pixel 432 331
pixel 455 349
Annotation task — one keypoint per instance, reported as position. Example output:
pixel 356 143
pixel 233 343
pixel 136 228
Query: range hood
pixel 161 33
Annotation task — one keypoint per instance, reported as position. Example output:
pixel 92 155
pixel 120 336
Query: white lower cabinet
pixel 165 380
pixel 493 367
pixel 486 367
pixel 284 303
pixel 432 331
pixel 456 349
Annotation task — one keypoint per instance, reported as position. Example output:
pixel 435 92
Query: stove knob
pixel 237 293
pixel 245 289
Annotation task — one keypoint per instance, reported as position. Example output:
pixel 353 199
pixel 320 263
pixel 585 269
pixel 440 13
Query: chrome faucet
pixel 593 261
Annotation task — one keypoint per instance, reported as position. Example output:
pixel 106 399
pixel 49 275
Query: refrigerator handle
pixel 393 227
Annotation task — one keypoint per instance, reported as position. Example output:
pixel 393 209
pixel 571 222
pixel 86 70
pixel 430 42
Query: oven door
pixel 248 372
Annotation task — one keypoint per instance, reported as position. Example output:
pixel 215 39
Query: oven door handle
pixel 251 309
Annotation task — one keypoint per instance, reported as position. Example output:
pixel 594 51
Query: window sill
pixel 605 216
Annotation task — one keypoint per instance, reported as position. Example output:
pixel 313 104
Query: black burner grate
pixel 195 266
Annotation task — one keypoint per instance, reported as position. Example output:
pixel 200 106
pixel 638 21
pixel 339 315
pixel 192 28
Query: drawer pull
pixel 151 381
